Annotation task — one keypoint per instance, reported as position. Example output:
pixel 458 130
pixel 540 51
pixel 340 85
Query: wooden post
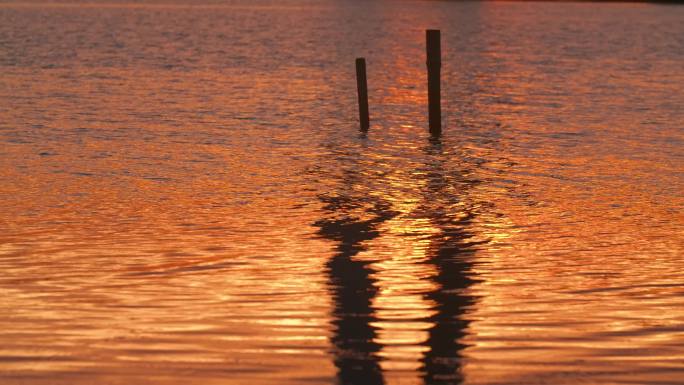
pixel 362 88
pixel 434 62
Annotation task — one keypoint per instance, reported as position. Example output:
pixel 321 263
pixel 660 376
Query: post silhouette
pixel 362 88
pixel 434 62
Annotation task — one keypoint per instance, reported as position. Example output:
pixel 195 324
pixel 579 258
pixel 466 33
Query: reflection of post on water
pixel 414 328
pixel 442 362
pixel 450 251
pixel 353 219
pixel 424 271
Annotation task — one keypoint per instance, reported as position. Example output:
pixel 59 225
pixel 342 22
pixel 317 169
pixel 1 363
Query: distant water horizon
pixel 237 2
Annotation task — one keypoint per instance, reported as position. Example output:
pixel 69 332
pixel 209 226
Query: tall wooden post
pixel 434 63
pixel 362 88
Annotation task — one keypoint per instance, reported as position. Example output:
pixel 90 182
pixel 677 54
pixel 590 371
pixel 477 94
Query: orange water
pixel 185 197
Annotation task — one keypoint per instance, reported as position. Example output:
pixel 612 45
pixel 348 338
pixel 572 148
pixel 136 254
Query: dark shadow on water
pixel 351 218
pixel 451 252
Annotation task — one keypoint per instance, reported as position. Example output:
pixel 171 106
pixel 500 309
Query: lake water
pixel 185 197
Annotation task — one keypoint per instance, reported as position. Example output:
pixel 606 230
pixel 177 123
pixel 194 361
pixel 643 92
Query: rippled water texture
pixel 186 197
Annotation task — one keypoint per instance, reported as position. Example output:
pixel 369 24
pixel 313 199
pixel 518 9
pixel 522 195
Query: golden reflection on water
pixel 412 265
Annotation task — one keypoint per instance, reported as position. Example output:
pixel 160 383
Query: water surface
pixel 186 198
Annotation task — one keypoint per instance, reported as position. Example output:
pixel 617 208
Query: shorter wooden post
pixel 434 63
pixel 362 88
